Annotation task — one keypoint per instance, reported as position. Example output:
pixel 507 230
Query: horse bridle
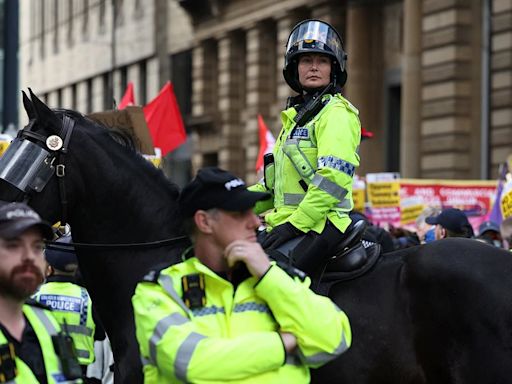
pixel 48 161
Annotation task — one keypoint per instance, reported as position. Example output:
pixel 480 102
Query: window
pixel 59 98
pixel 124 78
pixel 73 97
pixel 89 96
pixel 107 91
pixel 181 77
pixel 393 129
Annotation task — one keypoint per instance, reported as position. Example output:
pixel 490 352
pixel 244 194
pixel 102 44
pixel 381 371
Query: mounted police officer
pixel 32 348
pixel 71 304
pixel 228 314
pixel 316 153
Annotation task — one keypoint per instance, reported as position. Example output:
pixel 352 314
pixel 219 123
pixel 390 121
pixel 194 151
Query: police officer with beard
pixel 32 346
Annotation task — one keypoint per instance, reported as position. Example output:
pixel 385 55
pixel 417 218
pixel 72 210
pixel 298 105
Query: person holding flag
pixel 316 152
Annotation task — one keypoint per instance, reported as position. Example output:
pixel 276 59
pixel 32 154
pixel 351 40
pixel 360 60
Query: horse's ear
pixel 29 108
pixel 45 115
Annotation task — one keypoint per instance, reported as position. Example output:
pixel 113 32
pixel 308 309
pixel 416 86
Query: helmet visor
pixel 316 36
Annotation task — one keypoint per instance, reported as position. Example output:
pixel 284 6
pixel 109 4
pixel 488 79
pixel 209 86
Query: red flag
pixel 267 142
pixel 164 120
pixel 366 134
pixel 128 97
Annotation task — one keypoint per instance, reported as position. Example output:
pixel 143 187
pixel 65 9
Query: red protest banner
pixel 399 202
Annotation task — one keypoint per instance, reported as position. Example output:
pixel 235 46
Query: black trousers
pixel 314 249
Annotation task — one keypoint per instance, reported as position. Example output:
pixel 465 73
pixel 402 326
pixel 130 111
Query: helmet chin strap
pixel 312 92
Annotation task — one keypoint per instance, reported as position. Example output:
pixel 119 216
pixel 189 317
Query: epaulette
pixel 153 275
pixel 291 270
pixel 35 303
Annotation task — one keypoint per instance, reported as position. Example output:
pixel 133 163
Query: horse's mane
pixel 124 142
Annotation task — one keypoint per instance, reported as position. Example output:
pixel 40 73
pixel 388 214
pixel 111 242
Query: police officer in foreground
pixel 227 313
pixel 316 153
pixel 32 347
pixel 71 304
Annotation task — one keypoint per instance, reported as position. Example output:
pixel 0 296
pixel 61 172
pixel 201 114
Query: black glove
pixel 280 235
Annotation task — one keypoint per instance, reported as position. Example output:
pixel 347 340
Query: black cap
pixel 62 259
pixel 451 218
pixel 16 218
pixel 216 188
pixel 487 226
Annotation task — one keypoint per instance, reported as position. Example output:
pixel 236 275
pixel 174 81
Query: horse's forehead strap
pixel 65 134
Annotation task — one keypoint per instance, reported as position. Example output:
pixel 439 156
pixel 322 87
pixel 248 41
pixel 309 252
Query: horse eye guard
pixel 26 165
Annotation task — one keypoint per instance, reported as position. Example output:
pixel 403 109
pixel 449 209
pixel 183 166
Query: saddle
pixel 354 257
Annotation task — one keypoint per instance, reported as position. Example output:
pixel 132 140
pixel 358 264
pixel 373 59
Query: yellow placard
pixel 3 146
pixel 358 195
pixel 506 204
pixel 384 194
pixel 155 160
pixel 408 215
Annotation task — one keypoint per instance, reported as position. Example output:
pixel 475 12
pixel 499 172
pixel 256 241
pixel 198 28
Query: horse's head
pixel 33 167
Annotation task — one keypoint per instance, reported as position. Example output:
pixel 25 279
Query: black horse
pixel 439 314
pixel 112 196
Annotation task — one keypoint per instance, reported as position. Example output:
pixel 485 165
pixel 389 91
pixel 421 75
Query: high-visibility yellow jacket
pixel 45 326
pixel 234 337
pixel 72 307
pixel 320 157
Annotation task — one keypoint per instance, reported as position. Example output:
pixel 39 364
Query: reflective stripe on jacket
pixel 323 154
pixel 72 307
pixel 234 337
pixel 45 326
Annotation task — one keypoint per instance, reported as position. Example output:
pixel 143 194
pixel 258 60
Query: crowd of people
pixel 435 224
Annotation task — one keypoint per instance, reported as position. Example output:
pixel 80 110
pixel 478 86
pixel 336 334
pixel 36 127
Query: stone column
pixel 81 97
pixel 411 91
pixel 364 83
pixel 448 119
pixel 231 100
pixel 97 94
pixel 204 78
pixel 161 39
pixel 205 138
pixel 134 76
pixel 261 85
pixel 118 89
pixel 153 86
pixel 501 84
pixel 52 101
pixel 67 97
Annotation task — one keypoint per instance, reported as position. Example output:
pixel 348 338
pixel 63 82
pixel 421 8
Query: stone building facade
pixel 432 78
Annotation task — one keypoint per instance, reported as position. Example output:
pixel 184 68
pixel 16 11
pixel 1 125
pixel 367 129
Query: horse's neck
pixel 125 203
